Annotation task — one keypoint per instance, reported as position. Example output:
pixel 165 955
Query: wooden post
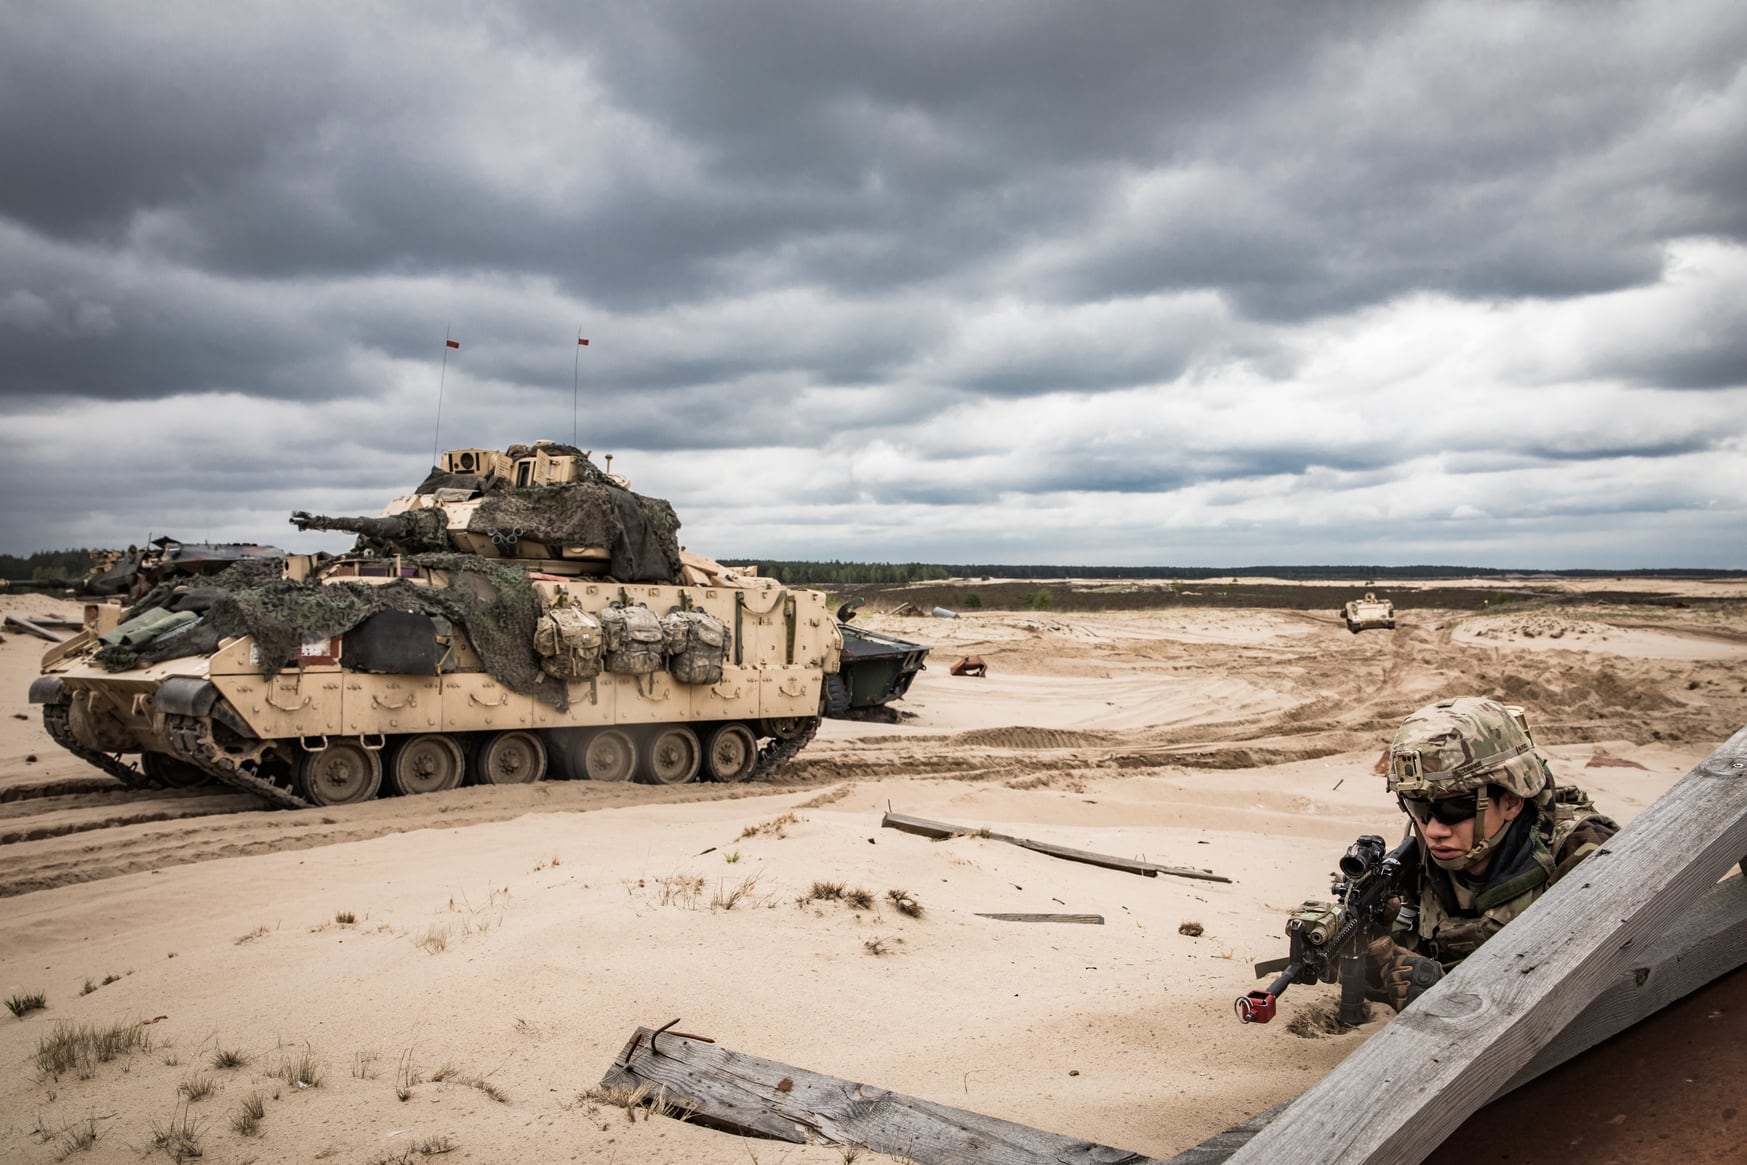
pixel 940 830
pixel 1400 1094
pixel 748 1094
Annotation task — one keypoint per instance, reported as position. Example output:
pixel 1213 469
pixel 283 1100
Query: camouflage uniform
pixel 1475 745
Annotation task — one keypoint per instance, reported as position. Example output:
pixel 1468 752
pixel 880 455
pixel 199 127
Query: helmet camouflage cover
pixel 1464 744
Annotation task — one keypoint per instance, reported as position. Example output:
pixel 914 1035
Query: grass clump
pixel 726 898
pixel 179 1138
pixel 825 892
pixel 858 899
pixel 345 918
pixel 197 1087
pixel 258 932
pixel 228 1058
pixel 405 1076
pixel 775 827
pixel 650 1099
pixel 434 941
pixel 247 1121
pixel 301 1071
pixel 450 1073
pixel 26 1002
pixel 905 903
pixel 79 1048
pixel 79 1137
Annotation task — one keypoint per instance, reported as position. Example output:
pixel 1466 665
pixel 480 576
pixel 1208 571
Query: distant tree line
pixel 839 573
pixel 45 565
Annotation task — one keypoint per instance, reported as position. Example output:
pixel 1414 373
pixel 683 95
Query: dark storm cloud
pixel 829 229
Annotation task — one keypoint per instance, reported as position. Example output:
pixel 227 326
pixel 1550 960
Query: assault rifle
pixel 1329 938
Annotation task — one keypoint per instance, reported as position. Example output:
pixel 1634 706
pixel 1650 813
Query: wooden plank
pixel 31 628
pixel 750 1094
pixel 940 830
pixel 1088 919
pixel 1707 943
pixel 1403 1091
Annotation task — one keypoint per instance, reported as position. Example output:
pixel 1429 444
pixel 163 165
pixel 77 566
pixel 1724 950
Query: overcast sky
pixel 1112 283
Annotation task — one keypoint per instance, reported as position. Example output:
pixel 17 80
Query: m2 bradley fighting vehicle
pixel 1369 614
pixel 522 613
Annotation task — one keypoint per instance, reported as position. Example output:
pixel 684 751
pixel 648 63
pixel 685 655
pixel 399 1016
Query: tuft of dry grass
pixel 179 1138
pixel 301 1071
pixel 449 1073
pixel 905 902
pixel 364 1065
pixel 247 1121
pixel 825 892
pixel 875 946
pixel 1192 929
pixel 726 898
pixel 79 1048
pixel 26 1002
pixel 228 1058
pixel 197 1087
pixel 406 1075
pixel 858 899
pixel 258 932
pixel 79 1137
pixel 775 827
pixel 345 918
pixel 434 941
pixel 652 1101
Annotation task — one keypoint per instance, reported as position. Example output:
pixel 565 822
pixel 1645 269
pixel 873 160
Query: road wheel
pixel 169 772
pixel 786 727
pixel 510 758
pixel 343 773
pixel 673 757
pixel 731 752
pixel 428 763
pixel 608 755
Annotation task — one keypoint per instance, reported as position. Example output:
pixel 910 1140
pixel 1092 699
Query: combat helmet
pixel 1467 744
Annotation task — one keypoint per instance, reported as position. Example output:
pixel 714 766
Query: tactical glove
pixel 1395 975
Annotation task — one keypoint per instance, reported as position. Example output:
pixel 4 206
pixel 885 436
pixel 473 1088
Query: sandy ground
pixel 461 969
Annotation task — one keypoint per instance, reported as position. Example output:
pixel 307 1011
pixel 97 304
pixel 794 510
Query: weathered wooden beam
pixel 1088 919
pixel 752 1095
pixel 940 830
pixel 1402 1092
pixel 29 627
pixel 1707 943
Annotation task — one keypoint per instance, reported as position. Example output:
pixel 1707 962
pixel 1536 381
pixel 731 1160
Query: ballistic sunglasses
pixel 1448 810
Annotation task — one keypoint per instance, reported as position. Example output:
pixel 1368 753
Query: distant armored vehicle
pixel 521 613
pixel 1369 614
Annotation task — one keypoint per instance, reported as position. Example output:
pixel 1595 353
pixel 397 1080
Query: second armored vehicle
pixel 1369 613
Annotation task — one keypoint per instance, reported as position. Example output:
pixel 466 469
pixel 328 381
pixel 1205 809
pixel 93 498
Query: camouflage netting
pixel 494 604
pixel 642 534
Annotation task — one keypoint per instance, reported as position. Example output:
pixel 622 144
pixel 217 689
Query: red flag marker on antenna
pixel 452 343
pixel 582 341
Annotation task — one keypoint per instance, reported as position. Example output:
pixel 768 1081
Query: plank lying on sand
pixel 941 830
pixel 30 627
pixel 751 1095
pixel 1087 919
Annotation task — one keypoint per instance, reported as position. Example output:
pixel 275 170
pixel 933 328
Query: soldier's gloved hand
pixel 1395 975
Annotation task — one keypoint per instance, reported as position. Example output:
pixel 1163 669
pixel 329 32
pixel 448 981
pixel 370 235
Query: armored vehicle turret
pixel 522 613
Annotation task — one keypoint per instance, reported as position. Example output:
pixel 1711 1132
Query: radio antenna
pixel 437 437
